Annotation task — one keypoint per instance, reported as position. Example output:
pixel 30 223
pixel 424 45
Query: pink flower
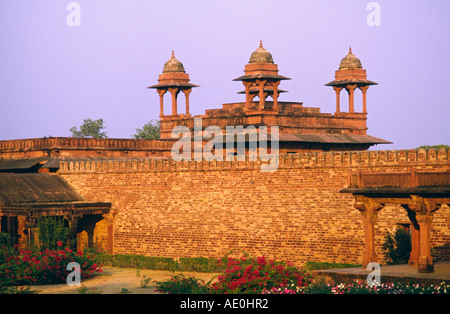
pixel 59 243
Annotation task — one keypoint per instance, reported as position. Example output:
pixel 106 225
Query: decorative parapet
pixel 81 143
pixel 352 159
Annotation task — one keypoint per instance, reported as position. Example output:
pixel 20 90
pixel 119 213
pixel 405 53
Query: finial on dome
pixel 173 54
pixel 260 43
pixel 350 50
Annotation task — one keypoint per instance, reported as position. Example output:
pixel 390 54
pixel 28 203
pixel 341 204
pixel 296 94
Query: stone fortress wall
pixel 207 209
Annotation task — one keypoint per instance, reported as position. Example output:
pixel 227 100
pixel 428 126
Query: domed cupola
pixel 350 76
pixel 261 55
pixel 174 80
pixel 350 61
pixel 173 65
pixel 261 80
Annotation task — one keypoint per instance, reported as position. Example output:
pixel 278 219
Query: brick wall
pixel 207 209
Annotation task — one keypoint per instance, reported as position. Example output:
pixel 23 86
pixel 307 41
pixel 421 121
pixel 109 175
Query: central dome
pixel 261 55
pixel 173 65
pixel 350 61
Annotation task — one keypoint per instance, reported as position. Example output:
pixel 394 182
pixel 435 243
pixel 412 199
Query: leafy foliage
pixel 249 275
pixel 150 131
pixel 310 266
pixel 196 264
pixel 51 230
pixel 45 267
pixel 243 275
pixel 90 128
pixel 180 284
pixel 433 146
pixel 397 247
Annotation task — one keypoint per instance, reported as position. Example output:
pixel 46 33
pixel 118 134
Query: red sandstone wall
pixel 201 209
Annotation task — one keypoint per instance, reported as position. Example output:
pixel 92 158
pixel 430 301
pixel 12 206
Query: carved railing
pixel 403 179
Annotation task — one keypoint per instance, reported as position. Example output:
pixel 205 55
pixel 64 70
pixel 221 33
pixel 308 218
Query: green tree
pixel 397 247
pixel 51 230
pixel 90 128
pixel 150 131
pixel 433 146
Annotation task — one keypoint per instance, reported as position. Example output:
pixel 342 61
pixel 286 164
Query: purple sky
pixel 53 76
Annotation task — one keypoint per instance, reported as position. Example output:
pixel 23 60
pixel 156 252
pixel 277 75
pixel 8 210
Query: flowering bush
pixel 260 275
pixel 45 267
pixel 359 287
pixel 282 290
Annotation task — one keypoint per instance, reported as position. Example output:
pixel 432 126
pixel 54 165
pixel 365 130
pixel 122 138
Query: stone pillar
pixel 261 85
pixel 174 92
pixel 73 226
pixel 364 93
pixel 22 232
pixel 424 215
pixel 161 93
pixel 186 93
pixel 338 98
pixel 425 261
pixel 109 241
pixel 369 210
pixel 275 95
pixel 415 243
pixel 31 228
pixel 247 94
pixel 351 97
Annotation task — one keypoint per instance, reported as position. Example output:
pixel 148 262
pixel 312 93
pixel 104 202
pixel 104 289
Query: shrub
pixel 397 247
pixel 45 267
pixel 310 266
pixel 180 284
pixel 51 230
pixel 6 247
pixel 197 264
pixel 139 261
pixel 260 275
pixel 6 240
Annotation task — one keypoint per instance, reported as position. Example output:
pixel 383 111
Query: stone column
pixel 31 229
pixel 22 232
pixel 110 230
pixel 338 98
pixel 261 85
pixel 364 93
pixel 73 225
pixel 275 95
pixel 186 93
pixel 424 215
pixel 174 92
pixel 161 93
pixel 247 94
pixel 415 243
pixel 425 261
pixel 351 97
pixel 369 210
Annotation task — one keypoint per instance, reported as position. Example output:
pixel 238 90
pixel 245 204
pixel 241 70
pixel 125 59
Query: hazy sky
pixel 52 75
